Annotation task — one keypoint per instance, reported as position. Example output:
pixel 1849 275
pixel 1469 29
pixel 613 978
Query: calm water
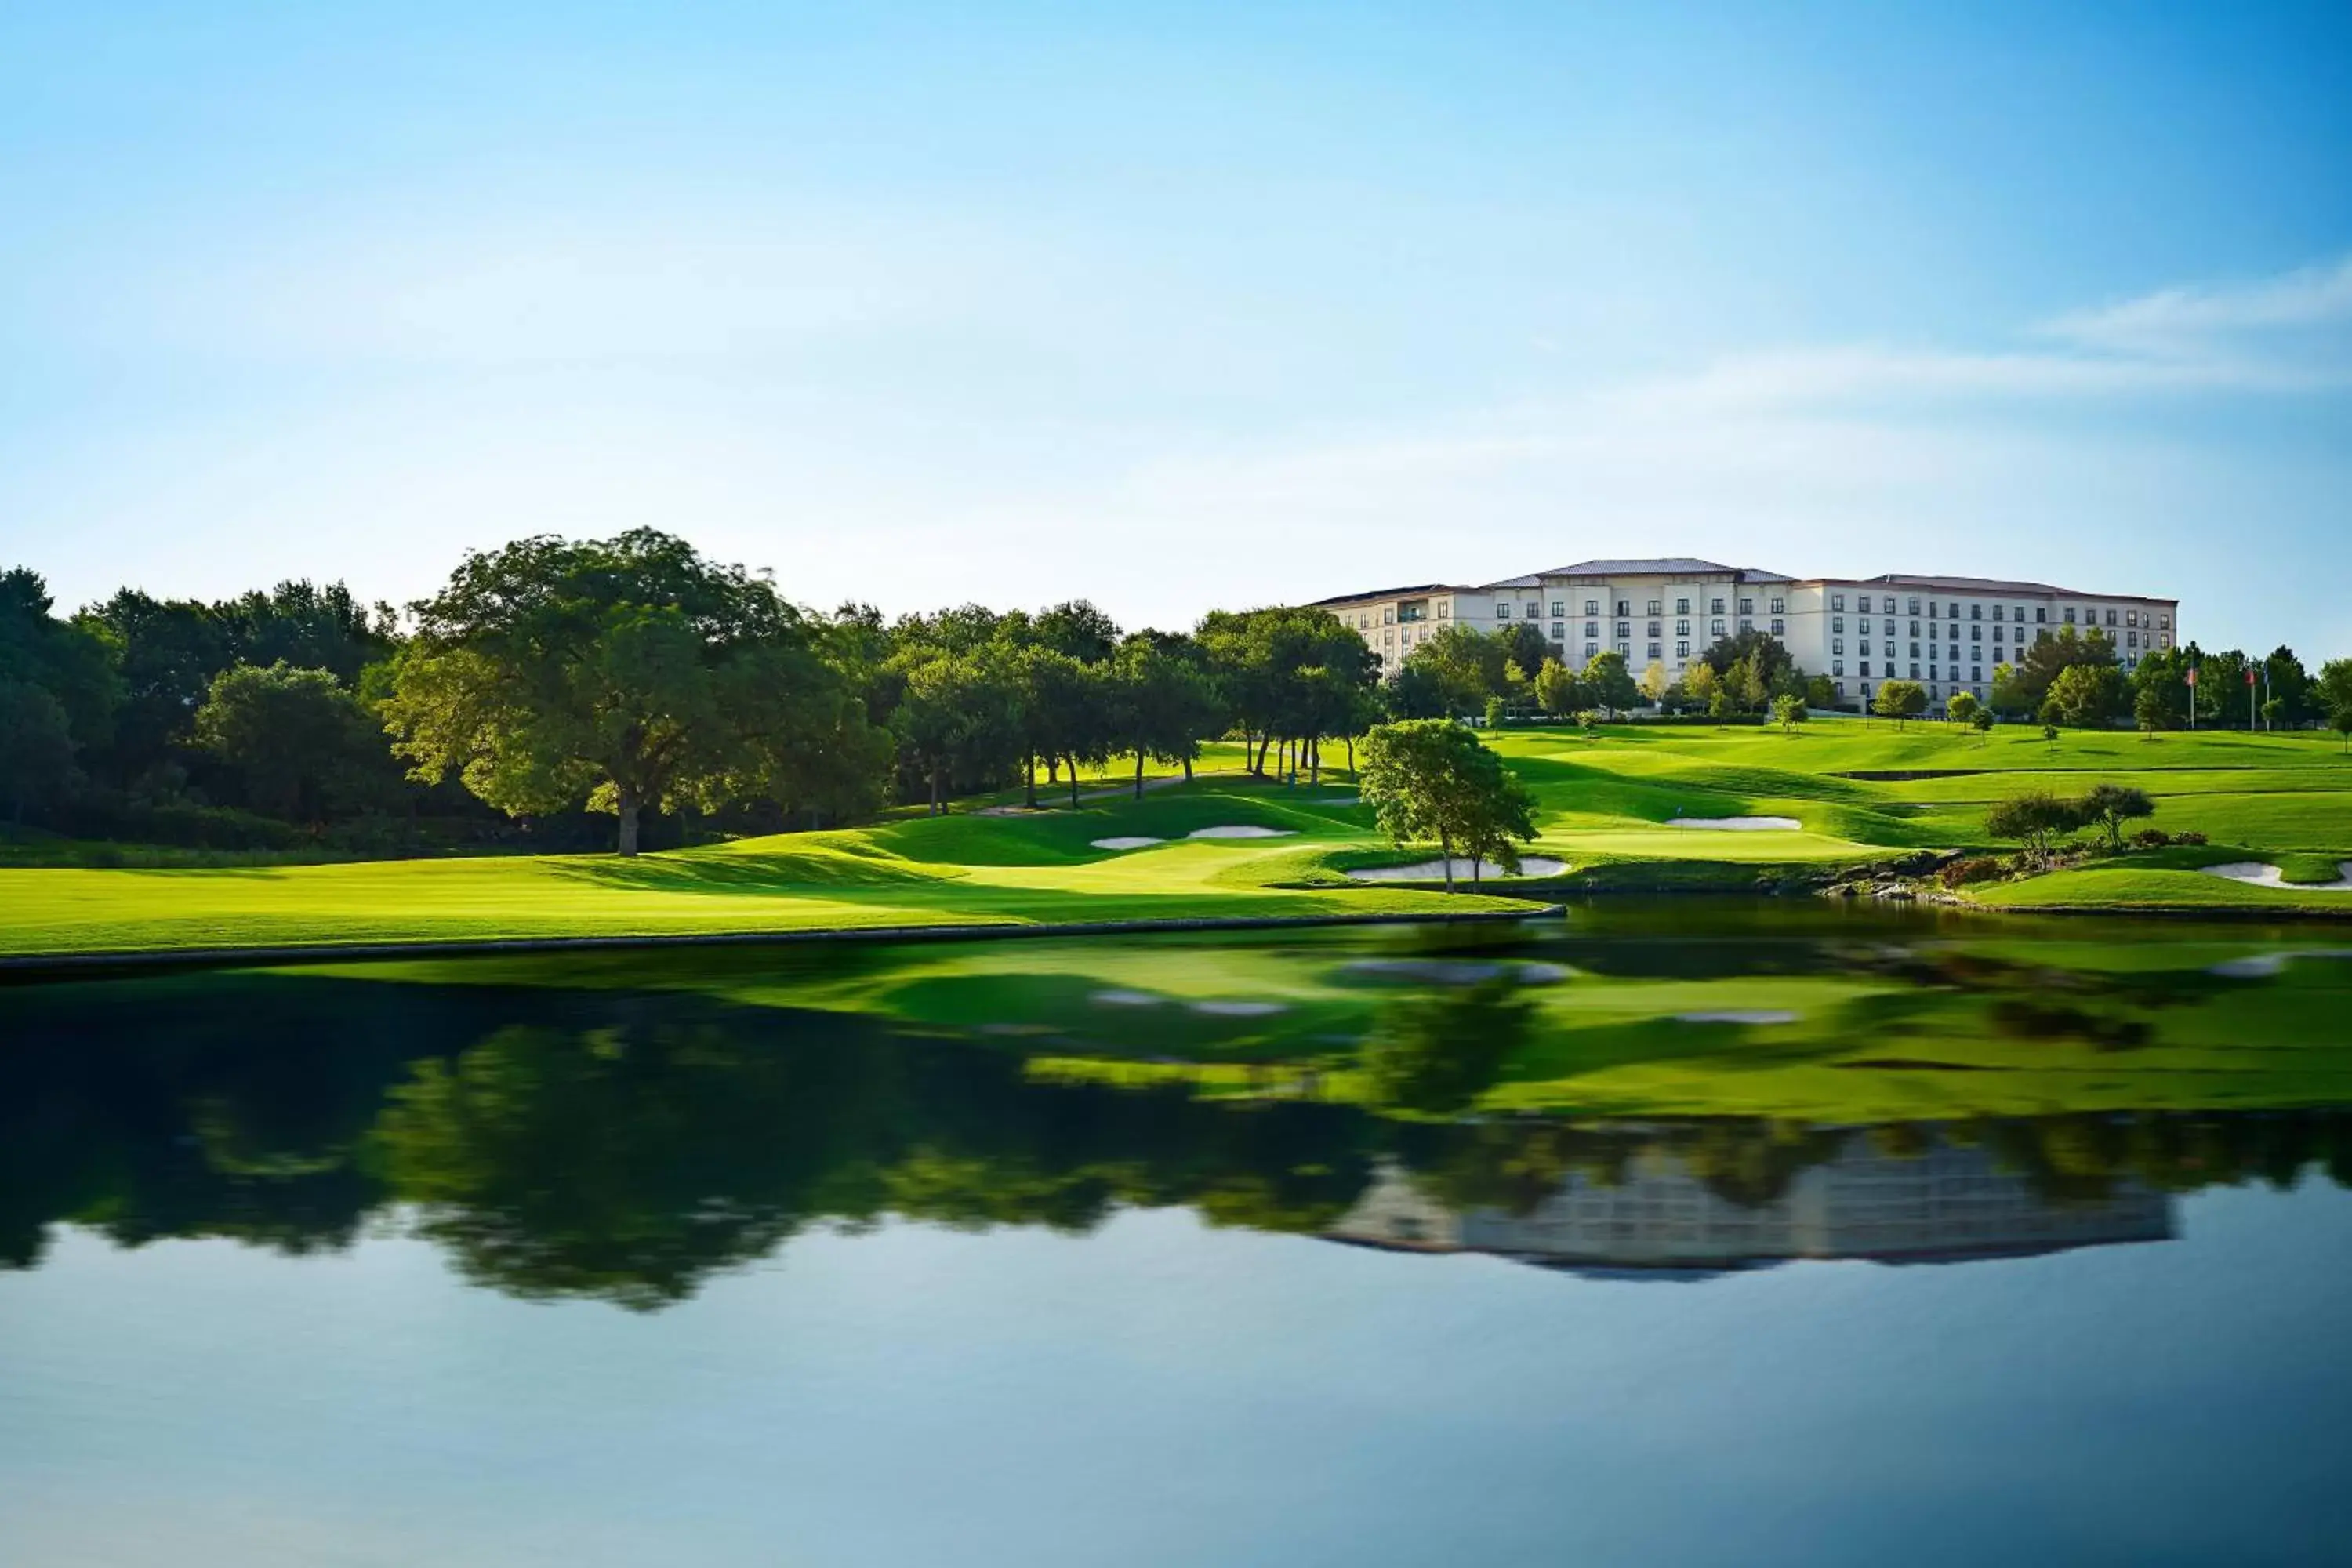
pixel 1681 1233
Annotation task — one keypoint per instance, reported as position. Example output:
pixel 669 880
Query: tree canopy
pixel 1431 779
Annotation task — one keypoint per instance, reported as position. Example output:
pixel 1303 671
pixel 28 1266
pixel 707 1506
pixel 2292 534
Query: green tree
pixel 2331 694
pixel 1655 684
pixel 2035 818
pixel 631 672
pixel 1761 651
pixel 36 748
pixel 2027 684
pixel 2161 689
pixel 2287 683
pixel 1981 722
pixel 1962 707
pixel 2087 695
pixel 1429 778
pixel 1166 703
pixel 2111 806
pixel 958 721
pixel 72 662
pixel 1900 700
pixel 1557 691
pixel 2149 710
pixel 300 743
pixel 1789 712
pixel 1524 648
pixel 1606 678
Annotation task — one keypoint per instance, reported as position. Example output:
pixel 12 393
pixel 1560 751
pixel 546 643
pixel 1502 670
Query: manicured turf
pixel 1607 805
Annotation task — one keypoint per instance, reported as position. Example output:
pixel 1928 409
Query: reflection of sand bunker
pixel 1130 843
pixel 1241 832
pixel 1459 972
pixel 1737 824
pixel 1215 1009
pixel 1752 1015
pixel 1434 870
pixel 2255 874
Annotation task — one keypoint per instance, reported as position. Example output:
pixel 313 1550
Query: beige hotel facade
pixel 1945 633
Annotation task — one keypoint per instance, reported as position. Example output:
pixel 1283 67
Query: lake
pixel 1675 1232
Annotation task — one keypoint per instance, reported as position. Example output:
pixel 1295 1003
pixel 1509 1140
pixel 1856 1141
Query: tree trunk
pixel 1314 760
pixel 1074 781
pixel 935 793
pixel 1445 848
pixel 1351 756
pixel 628 805
pixel 1052 769
pixel 1188 767
pixel 1033 778
pixel 1477 870
pixel 1138 776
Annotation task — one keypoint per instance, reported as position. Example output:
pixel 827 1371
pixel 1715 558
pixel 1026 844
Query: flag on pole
pixel 2192 675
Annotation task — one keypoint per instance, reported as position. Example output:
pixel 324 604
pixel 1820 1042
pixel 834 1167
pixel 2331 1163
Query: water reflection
pixel 1612 1098
pixel 1909 1195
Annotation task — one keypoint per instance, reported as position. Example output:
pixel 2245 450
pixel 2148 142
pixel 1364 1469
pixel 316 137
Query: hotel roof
pixel 1663 566
pixel 1991 585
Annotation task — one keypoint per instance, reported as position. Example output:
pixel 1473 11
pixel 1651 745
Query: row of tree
pixel 2079 679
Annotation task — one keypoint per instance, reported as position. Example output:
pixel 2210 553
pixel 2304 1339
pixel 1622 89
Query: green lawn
pixel 1608 804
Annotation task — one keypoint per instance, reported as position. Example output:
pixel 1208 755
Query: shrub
pixel 1974 868
pixel 2190 838
pixel 2151 839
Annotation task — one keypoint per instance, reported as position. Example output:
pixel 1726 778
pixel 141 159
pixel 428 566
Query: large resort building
pixel 1945 633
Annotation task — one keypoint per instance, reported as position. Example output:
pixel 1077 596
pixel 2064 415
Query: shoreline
pixel 105 961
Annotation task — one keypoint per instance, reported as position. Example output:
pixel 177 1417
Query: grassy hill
pixel 1614 805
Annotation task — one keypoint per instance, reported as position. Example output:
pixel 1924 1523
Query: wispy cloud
pixel 2282 334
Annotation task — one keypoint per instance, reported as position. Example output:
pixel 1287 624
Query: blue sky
pixel 1185 306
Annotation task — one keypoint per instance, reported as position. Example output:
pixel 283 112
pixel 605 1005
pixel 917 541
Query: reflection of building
pixel 1945 1204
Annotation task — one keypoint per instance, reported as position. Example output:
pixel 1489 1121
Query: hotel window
pixel 1837 623
pixel 1889 648
pixel 1996 612
pixel 2041 614
pixel 1837 644
pixel 1746 625
pixel 2070 615
pixel 1931 609
pixel 1953 653
pixel 1592 629
pixel 1653 653
pixel 2131 640
pixel 1681 628
pixel 1624 650
pixel 1654 606
pixel 1653 630
pixel 1997 632
pixel 1976 634
pixel 1914 672
pixel 1837 601
pixel 2131 618
pixel 1747 606
pixel 1388 615
pixel 1914 628
pixel 1864 625
pixel 1837 667
pixel 1975 672
pixel 1681 651
pixel 1778 628
pixel 1558 631
pixel 1975 612
pixel 1558 608
pixel 1445 609
pixel 1591 607
pixel 1591 648
pixel 1840 688
pixel 1714 606
pixel 1388 639
pixel 1865 669
pixel 1780 606
pixel 1624 606
pixel 1889 603
pixel 1624 630
pixel 1915 650
pixel 1535 610
pixel 1951 612
pixel 1715 628
pixel 1914 606
pixel 1502 611
pixel 2163 621
pixel 1682 606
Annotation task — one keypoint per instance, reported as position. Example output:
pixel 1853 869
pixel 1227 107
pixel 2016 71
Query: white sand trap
pixel 1241 832
pixel 1434 870
pixel 1239 1009
pixel 2255 874
pixel 1130 843
pixel 1759 1015
pixel 1738 824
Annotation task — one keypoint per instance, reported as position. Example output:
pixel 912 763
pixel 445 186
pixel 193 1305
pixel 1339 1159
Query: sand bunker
pixel 1240 833
pixel 1737 824
pixel 1759 1015
pixel 1127 843
pixel 2255 874
pixel 1434 870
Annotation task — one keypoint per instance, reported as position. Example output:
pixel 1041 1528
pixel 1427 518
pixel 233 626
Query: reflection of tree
pixel 1437 1054
pixel 626 1145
